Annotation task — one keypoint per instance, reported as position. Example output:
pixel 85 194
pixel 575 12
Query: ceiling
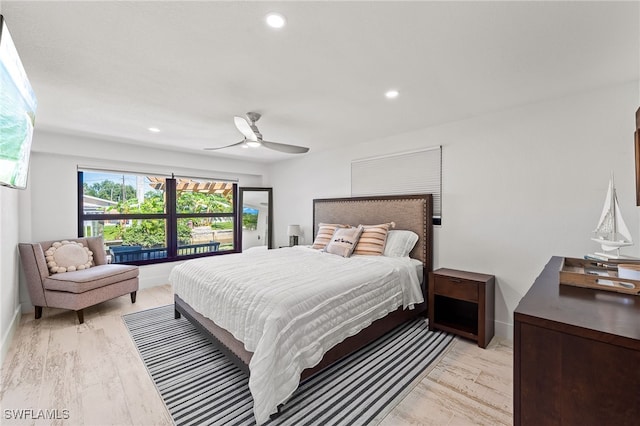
pixel 114 69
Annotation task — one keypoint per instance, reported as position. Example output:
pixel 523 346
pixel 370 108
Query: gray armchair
pixel 78 289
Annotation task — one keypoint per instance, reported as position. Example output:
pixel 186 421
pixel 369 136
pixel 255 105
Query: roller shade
pixel 414 172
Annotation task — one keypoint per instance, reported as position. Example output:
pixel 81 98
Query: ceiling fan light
pixel 244 145
pixel 253 144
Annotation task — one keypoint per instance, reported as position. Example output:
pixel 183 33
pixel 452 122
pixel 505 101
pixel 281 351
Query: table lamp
pixel 293 231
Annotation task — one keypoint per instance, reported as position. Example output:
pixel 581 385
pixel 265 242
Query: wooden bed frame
pixel 410 212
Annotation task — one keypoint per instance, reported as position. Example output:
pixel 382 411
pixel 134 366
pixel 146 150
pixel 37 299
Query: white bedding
pixel 290 306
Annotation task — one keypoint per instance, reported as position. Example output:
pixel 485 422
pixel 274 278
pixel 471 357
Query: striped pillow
pixel 373 239
pixel 325 232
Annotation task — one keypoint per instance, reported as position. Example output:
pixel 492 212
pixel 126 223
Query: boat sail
pixel 612 233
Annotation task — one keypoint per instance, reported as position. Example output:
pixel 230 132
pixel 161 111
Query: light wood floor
pixel 93 371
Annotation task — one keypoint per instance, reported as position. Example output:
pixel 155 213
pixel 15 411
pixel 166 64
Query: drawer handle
pixel 455 280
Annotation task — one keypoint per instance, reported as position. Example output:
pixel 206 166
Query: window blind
pixel 414 172
pixel 204 176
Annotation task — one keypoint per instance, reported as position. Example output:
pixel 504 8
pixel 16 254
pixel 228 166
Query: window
pixel 415 172
pixel 150 219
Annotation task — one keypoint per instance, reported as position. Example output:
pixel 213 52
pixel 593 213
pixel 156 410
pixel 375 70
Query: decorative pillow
pixel 373 239
pixel 68 256
pixel 344 241
pixel 325 232
pixel 400 243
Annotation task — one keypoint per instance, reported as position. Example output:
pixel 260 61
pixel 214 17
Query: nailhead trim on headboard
pixel 382 209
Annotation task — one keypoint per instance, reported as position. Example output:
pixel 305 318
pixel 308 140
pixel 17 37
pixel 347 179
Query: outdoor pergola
pixel 189 185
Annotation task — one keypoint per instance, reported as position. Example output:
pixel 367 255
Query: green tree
pixel 151 233
pixel 197 202
pixel 109 190
pixel 250 221
pixel 145 233
pixel 184 233
pixel 153 203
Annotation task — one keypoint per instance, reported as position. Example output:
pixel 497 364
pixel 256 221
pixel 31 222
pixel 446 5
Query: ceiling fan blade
pixel 245 128
pixel 283 147
pixel 228 146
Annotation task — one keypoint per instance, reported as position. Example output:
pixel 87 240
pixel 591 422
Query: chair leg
pixel 38 312
pixel 80 315
pixel 133 297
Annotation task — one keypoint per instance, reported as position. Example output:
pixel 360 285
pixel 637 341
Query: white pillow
pixel 68 256
pixel 400 243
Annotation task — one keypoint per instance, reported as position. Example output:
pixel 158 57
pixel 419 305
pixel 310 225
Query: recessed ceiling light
pixel 275 20
pixel 392 94
pixel 154 130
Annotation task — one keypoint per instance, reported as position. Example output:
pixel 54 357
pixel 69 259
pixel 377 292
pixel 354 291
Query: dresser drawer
pixel 456 288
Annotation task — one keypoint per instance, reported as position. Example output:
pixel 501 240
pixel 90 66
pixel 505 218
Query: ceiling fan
pixel 253 137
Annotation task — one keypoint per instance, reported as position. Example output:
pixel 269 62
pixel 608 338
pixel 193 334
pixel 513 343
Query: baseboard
pixel 155 275
pixel 8 336
pixel 504 330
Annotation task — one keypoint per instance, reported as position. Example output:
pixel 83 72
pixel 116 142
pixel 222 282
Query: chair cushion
pixel 89 279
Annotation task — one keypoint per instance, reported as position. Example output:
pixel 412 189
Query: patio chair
pixel 74 286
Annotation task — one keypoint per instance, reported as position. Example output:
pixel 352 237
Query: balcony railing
pixel 122 254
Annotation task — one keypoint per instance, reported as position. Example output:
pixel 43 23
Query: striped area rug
pixel 200 386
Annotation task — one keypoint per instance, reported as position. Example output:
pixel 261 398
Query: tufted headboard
pixel 410 212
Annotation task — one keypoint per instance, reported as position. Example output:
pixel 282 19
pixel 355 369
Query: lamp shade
pixel 294 230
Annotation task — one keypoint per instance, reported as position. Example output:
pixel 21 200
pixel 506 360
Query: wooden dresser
pixel 576 355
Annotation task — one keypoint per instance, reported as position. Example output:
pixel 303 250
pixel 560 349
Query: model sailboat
pixel 612 233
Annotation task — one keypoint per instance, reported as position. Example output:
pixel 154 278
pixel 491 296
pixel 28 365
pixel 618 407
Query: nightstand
pixel 463 303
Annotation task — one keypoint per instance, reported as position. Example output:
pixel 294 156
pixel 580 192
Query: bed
pixel 307 330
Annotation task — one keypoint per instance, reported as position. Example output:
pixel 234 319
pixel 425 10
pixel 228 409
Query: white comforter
pixel 290 306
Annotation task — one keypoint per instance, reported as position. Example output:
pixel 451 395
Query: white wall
pixel 49 205
pixel 519 186
pixel 9 298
